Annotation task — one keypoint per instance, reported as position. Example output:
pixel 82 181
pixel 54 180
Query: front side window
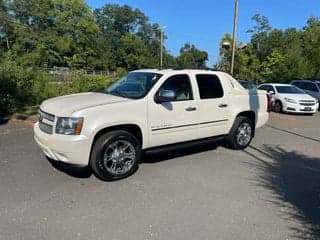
pixel 135 85
pixel 209 86
pixel 181 86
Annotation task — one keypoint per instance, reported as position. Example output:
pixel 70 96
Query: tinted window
pixel 302 85
pixel 288 89
pixel 270 88
pixel 263 87
pixel 296 84
pixel 311 87
pixel 247 85
pixel 181 86
pixel 209 86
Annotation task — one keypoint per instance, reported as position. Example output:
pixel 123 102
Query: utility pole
pixel 235 22
pixel 161 45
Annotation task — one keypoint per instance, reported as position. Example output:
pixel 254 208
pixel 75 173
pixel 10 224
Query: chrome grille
pixel 46 121
pixel 46 127
pixel 307 102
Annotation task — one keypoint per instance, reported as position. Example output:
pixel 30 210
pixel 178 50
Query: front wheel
pixel 241 133
pixel 115 155
pixel 278 107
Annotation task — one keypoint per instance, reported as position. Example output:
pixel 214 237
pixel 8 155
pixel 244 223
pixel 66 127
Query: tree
pixel 190 56
pixel 50 33
pixel 121 25
pixel 276 55
pixel 311 46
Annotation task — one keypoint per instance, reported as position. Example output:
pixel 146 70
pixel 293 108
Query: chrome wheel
pixel 244 134
pixel 119 157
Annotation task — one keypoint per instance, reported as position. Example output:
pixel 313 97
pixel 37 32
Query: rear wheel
pixel 115 155
pixel 278 107
pixel 241 133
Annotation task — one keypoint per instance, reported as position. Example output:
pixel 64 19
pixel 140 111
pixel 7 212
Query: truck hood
pixel 64 106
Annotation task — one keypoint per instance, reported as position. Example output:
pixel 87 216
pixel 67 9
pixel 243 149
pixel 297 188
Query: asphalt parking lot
pixel 271 190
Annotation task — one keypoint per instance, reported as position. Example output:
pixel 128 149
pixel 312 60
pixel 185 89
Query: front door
pixel 174 121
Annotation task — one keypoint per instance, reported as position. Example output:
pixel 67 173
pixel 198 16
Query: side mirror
pixel 271 92
pixel 165 96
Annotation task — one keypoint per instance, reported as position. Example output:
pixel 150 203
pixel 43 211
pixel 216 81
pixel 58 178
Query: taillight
pixel 269 108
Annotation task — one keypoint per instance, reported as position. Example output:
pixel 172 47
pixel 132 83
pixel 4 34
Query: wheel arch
pixel 134 129
pixel 251 115
pixel 131 128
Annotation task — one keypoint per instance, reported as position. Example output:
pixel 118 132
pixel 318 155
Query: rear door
pixel 213 106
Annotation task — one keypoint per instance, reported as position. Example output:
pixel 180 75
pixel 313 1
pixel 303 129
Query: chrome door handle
pixel 223 105
pixel 189 109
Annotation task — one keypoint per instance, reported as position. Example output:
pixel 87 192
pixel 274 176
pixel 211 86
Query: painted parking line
pixel 293 133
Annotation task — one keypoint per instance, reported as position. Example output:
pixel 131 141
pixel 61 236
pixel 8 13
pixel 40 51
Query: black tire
pixel 278 107
pixel 237 139
pixel 114 148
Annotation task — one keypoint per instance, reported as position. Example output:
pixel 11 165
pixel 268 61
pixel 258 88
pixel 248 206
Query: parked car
pixel 289 98
pixel 247 85
pixel 309 86
pixel 147 110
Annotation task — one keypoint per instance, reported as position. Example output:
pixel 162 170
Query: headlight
pixel 290 100
pixel 69 126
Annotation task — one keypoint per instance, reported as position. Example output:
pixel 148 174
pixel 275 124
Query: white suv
pixel 147 109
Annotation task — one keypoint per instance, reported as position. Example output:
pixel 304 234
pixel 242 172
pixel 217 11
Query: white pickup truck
pixel 145 110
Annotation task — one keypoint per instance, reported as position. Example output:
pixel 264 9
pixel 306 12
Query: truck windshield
pixel 289 90
pixel 135 85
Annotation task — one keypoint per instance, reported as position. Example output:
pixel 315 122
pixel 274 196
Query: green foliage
pixel 21 87
pixel 275 55
pixel 190 56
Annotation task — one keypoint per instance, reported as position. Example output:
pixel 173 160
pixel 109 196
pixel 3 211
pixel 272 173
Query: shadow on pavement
pixel 166 155
pixel 294 180
pixel 73 171
pixel 293 133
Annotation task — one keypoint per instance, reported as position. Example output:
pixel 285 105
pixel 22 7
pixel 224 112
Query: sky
pixel 203 22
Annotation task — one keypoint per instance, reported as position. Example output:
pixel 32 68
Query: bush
pixel 21 88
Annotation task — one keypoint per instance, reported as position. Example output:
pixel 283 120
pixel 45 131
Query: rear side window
pixel 268 88
pixel 209 86
pixel 263 87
